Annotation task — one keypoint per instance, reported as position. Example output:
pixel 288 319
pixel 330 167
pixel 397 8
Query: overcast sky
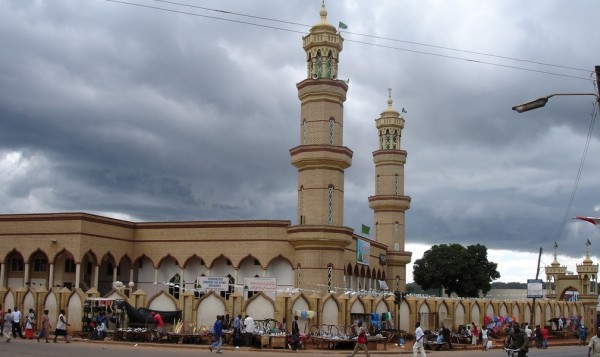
pixel 151 115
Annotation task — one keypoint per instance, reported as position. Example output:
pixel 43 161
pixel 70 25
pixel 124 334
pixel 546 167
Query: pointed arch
pixel 167 257
pixel 193 257
pixel 163 301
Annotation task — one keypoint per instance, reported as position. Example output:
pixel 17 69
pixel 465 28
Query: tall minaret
pixel 320 237
pixel 389 202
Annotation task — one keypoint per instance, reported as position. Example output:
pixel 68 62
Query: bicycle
pixel 512 352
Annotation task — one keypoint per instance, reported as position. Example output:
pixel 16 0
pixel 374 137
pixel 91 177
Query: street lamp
pixel 540 102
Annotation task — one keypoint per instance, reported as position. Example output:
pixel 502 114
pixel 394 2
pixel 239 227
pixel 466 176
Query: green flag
pixel 342 25
pixel 365 229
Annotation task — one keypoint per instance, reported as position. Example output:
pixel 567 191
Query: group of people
pixel 11 322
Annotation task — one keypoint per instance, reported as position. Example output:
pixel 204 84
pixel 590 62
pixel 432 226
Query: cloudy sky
pixel 171 112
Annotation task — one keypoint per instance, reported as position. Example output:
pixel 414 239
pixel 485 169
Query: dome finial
pixel 323 12
pixel 390 101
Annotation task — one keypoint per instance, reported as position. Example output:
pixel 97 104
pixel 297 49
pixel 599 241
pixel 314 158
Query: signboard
pixel 260 284
pixel 535 288
pixel 382 259
pixel 363 251
pixel 213 283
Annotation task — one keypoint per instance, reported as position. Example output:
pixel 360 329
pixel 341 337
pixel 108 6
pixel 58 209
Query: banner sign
pixel 260 284
pixel 213 283
pixel 535 288
pixel 363 251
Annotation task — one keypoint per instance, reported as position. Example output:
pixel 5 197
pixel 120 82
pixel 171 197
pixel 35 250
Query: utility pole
pixel 597 68
pixel 537 275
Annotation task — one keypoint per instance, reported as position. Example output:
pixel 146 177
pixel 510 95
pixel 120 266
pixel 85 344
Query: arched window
pixel 396 237
pixel 395 140
pixel 396 180
pixel 252 293
pixel 329 276
pixel 387 139
pixel 331 130
pixel 198 291
pixel 304 132
pixel 319 65
pixel 301 205
pixel 174 287
pixel 328 65
pixel 330 205
pixel 378 185
pixel 230 288
pixel 298 276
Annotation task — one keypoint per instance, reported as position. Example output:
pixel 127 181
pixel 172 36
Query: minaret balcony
pixel 389 203
pixel 389 157
pixel 321 156
pixel 398 258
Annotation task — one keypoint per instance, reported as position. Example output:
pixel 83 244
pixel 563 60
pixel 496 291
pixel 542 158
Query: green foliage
pixel 456 269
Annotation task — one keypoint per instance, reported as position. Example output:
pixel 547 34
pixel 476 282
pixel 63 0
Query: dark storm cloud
pixel 144 114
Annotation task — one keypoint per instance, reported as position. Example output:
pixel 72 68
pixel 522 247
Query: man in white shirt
pixel 249 325
pixel 419 336
pixel 16 327
pixel 528 332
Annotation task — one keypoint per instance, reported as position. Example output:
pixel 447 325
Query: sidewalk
pixel 472 350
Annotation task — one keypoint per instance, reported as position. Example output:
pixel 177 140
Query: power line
pixel 355 41
pixel 206 16
pixel 579 171
pixel 394 40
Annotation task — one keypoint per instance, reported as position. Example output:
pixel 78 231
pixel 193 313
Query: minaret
pixel 320 237
pixel 588 272
pixel 554 272
pixel 389 202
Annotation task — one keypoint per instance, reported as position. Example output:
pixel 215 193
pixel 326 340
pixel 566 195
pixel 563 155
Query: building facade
pixel 86 254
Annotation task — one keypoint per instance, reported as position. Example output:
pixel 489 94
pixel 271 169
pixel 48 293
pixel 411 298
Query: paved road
pixel 91 349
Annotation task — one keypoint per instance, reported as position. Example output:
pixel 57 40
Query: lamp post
pixel 540 102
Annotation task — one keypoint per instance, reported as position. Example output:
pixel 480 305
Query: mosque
pixel 264 268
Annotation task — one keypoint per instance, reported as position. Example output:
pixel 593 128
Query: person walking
pixel 593 347
pixel 237 331
pixel 419 336
pixel 16 325
pixel 545 336
pixel 582 335
pixel 475 332
pixel 361 340
pixel 8 325
pixel 249 330
pixel 61 327
pixel 484 338
pixel 295 334
pixel 29 324
pixel 218 333
pixel 45 331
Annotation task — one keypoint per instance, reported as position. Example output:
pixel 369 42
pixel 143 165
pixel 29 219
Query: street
pixel 85 348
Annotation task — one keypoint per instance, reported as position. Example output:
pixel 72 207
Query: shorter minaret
pixel 588 272
pixel 389 202
pixel 554 272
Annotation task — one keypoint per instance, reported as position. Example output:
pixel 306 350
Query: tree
pixel 456 269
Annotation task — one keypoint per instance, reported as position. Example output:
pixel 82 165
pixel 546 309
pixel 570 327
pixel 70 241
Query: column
pixel 26 276
pixel 2 267
pixel 155 280
pixel 77 275
pixel 96 272
pixel 114 274
pixel 50 276
pixel 131 274
pixel 181 282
